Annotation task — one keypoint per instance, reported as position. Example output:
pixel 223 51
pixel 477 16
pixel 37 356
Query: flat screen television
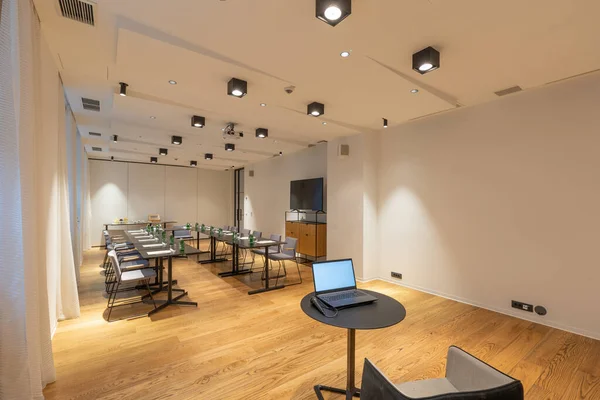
pixel 306 194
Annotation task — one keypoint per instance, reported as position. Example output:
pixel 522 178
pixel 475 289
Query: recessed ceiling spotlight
pixel 162 152
pixel 112 158
pixel 152 117
pixel 172 82
pixel 237 87
pixel 385 122
pixel 123 88
pixel 324 123
pixel 415 91
pixel 176 139
pixel 426 60
pixel 115 138
pixel 193 163
pixel 280 153
pixel 263 104
pixel 262 133
pixel 345 54
pixel 198 121
pixel 208 156
pixel 333 11
pixel 153 160
pixel 315 109
pixel 229 146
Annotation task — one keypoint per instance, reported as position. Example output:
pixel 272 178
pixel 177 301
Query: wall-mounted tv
pixel 306 194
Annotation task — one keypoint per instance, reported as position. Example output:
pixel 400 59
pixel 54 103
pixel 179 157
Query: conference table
pixel 154 249
pixel 243 243
pixel 126 225
pixel 191 229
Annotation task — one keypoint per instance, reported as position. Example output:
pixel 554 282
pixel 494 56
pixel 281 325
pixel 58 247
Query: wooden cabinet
pixel 312 238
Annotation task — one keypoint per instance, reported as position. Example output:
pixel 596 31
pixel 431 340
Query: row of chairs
pixel 124 270
pixel 281 254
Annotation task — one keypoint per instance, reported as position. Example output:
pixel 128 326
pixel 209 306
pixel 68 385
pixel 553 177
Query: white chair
pixel 125 274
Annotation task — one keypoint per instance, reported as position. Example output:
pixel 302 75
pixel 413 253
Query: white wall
pixel 267 194
pixel 499 202
pixel 131 190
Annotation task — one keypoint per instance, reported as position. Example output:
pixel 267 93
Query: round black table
pixel 385 312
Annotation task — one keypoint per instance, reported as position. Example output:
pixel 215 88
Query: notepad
pixel 154 245
pixel 137 231
pixel 160 252
pixel 148 240
pixel 265 241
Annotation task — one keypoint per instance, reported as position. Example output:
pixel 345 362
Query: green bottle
pixel 251 239
pixel 196 227
pixel 172 240
pixel 203 228
pixel 164 236
pixel 181 247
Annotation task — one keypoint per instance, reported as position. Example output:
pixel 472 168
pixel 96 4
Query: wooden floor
pixel 236 346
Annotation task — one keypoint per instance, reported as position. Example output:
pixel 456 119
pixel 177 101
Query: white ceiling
pixel 485 46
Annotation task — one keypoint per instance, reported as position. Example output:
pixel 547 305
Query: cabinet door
pixel 321 240
pixel 308 234
pixel 291 230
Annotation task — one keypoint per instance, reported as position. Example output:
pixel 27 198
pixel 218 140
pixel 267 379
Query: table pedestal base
pixel 351 390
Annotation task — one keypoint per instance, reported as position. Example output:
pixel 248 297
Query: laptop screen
pixel 331 275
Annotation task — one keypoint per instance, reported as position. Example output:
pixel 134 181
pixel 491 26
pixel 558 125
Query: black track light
pixel 208 156
pixel 333 11
pixel 198 121
pixel 229 146
pixel 162 152
pixel 280 153
pixel 426 60
pixel 153 160
pixel 115 138
pixel 123 89
pixel 262 133
pixel 385 123
pixel 176 140
pixel 315 109
pixel 193 163
pixel 112 158
pixel 237 87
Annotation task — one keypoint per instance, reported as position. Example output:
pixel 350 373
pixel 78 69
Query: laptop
pixel 335 284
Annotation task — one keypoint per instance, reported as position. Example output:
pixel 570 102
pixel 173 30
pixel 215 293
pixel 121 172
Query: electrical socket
pixel 396 275
pixel 521 306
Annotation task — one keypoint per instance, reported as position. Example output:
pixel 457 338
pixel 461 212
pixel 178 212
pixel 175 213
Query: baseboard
pixel 505 311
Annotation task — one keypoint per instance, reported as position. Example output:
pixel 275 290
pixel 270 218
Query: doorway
pixel 238 198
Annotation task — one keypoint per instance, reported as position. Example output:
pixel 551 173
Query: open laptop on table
pixel 335 284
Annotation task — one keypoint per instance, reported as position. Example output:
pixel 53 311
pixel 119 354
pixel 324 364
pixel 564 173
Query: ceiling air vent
pixel 90 104
pixel 77 10
pixel 509 90
pixel 96 148
pixel 95 134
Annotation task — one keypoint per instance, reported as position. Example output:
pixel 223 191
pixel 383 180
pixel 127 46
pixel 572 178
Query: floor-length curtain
pixel 26 364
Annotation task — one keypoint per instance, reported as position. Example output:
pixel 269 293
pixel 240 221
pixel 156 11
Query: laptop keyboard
pixel 343 296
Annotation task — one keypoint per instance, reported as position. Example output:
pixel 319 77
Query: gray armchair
pixel 467 378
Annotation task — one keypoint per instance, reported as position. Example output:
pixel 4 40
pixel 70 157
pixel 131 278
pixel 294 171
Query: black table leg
pixel 351 389
pixel 235 264
pixel 267 287
pixel 170 299
pixel 213 253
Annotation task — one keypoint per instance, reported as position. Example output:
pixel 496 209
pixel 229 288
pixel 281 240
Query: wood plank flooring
pixel 236 346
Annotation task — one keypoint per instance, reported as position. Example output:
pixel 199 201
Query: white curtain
pixel 36 257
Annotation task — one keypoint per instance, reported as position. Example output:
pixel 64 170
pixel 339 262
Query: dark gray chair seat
pixel 183 234
pixel 467 378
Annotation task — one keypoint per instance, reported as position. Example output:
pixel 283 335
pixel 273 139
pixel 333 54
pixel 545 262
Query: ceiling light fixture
pixel 153 160
pixel 172 82
pixel 280 153
pixel 315 109
pixel 112 158
pixel 345 54
pixel 115 138
pixel 176 139
pixel 324 123
pixel 262 133
pixel 193 163
pixel 385 122
pixel 237 87
pixel 152 117
pixel 208 156
pixel 263 104
pixel 123 88
pixel 198 121
pixel 162 152
pixel 333 11
pixel 426 60
pixel 415 91
pixel 229 146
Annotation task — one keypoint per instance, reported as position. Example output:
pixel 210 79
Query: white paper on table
pixel 136 231
pixel 154 245
pixel 159 252
pixel 148 240
pixel 265 241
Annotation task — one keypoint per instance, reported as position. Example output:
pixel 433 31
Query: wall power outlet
pixel 521 306
pixel 396 275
